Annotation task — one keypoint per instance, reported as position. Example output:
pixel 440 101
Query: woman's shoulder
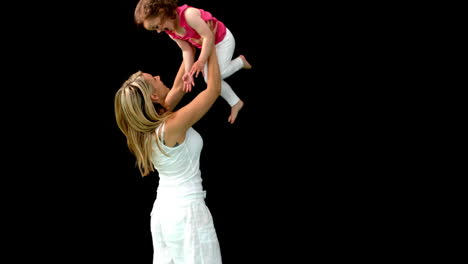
pixel 175 128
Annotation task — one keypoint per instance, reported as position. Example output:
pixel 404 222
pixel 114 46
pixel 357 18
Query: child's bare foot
pixel 246 63
pixel 234 111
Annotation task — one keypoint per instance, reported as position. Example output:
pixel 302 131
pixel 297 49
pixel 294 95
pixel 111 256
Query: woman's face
pixel 159 89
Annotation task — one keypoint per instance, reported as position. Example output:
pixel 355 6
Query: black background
pixel 284 181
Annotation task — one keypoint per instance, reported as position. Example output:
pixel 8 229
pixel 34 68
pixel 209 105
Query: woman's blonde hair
pixel 138 119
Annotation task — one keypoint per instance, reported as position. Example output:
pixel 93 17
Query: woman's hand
pixel 197 67
pixel 188 82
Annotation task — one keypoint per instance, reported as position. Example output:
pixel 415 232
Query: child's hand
pixel 188 82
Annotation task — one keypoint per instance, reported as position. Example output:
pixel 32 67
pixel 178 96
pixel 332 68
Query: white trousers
pixel 184 233
pixel 227 66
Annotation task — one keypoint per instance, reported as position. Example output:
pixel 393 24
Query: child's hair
pixel 153 8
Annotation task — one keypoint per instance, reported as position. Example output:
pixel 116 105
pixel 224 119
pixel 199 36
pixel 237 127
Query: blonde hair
pixel 138 119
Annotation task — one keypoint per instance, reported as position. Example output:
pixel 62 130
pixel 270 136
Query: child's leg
pixel 227 66
pixel 224 51
pixel 231 98
pixel 228 94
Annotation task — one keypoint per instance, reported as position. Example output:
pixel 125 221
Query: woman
pixel 181 225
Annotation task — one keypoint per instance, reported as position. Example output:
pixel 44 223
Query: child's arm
pixel 188 55
pixel 193 18
pixel 177 91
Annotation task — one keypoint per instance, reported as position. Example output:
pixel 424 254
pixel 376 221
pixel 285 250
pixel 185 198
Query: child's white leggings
pixel 227 66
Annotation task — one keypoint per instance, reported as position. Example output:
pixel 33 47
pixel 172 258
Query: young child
pixel 190 28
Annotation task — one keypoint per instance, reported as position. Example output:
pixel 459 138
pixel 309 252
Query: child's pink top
pixel 191 33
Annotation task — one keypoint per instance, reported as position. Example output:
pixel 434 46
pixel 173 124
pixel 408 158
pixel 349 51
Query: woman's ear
pixel 155 98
